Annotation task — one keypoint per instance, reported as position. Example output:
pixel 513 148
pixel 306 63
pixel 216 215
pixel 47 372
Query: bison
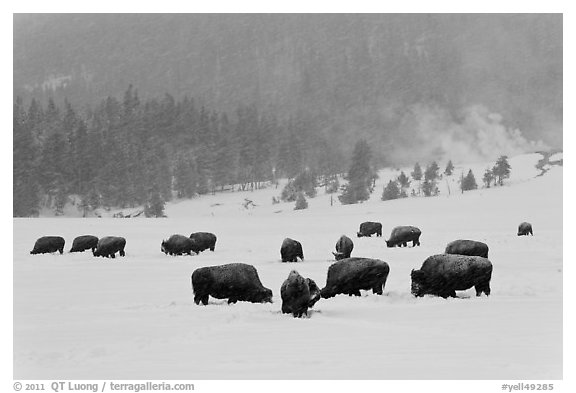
pixel 298 294
pixel 291 250
pixel 524 229
pixel 401 235
pixel 203 241
pixel 109 245
pixel 234 281
pixel 467 247
pixel 344 247
pixel 83 243
pixel 369 228
pixel 47 244
pixel 444 274
pixel 348 276
pixel 178 245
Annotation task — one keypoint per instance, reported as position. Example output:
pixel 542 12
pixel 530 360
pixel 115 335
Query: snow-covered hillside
pixel 80 317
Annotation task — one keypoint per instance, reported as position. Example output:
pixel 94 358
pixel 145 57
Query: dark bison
pixel 83 243
pixel 350 275
pixel 47 244
pixel 400 236
pixel 444 274
pixel 344 247
pixel 369 228
pixel 467 247
pixel 298 294
pixel 203 241
pixel 234 281
pixel 178 245
pixel 291 250
pixel 109 245
pixel 524 229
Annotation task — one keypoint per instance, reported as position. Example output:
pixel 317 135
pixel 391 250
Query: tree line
pixel 129 152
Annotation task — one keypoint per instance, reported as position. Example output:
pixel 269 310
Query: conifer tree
pixel 301 202
pixel 488 177
pixel 449 168
pixel 155 205
pixel 501 169
pixel 360 175
pixel 391 191
pixel 469 182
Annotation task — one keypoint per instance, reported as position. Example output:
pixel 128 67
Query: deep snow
pixel 80 317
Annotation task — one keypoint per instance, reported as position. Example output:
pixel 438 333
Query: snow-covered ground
pixel 80 317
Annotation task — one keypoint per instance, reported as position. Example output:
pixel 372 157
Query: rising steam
pixel 476 135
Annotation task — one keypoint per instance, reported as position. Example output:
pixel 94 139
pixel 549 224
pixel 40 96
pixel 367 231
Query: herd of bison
pixel 463 265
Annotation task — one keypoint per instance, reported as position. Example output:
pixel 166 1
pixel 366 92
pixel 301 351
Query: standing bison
pixel 47 244
pixel 369 228
pixel 177 245
pixel 401 235
pixel 234 281
pixel 524 229
pixel 83 243
pixel 350 275
pixel 444 274
pixel 298 294
pixel 467 247
pixel 203 241
pixel 291 250
pixel 109 245
pixel 344 247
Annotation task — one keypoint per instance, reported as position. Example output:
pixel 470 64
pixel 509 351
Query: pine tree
pixel 403 180
pixel 417 172
pixel 25 192
pixel 301 202
pixel 391 191
pixel 155 206
pixel 431 173
pixel 469 182
pixel 501 169
pixel 429 188
pixel 449 168
pixel 360 175
pixel 488 177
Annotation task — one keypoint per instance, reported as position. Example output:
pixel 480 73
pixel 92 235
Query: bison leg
pixel 212 248
pixel 356 293
pixel 61 250
pixel 232 300
pixel 111 255
pixel 379 234
pixel 122 253
pixel 197 298
pixel 377 289
pixel 483 287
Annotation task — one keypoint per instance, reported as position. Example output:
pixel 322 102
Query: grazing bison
pixel 400 236
pixel 444 274
pixel 109 245
pixel 83 243
pixel 298 294
pixel 234 281
pixel 47 244
pixel 369 228
pixel 178 245
pixel 349 276
pixel 291 250
pixel 467 247
pixel 203 241
pixel 344 247
pixel 524 229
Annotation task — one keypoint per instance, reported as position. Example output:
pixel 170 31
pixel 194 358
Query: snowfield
pixel 80 317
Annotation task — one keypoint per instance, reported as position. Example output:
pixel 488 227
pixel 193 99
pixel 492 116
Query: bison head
pixel 389 243
pixel 418 282
pixel 358 234
pixel 163 247
pixel 263 296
